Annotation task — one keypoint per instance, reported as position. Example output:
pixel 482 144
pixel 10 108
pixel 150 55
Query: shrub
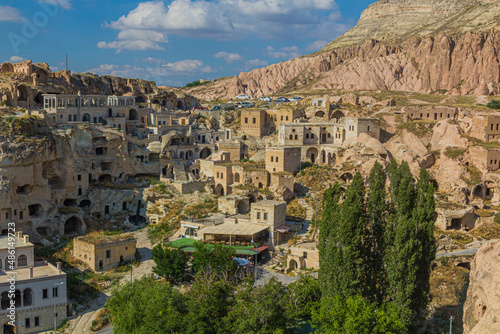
pixel 453 152
pixel 494 104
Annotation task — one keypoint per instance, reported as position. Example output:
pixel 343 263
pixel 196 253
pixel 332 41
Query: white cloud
pixel 16 59
pixel 10 14
pixel 184 67
pixel 285 53
pixel 66 4
pixel 150 60
pixel 226 20
pixel 228 57
pixel 315 46
pixel 129 45
pixel 255 63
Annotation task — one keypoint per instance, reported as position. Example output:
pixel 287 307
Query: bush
pixel 453 152
pixel 494 104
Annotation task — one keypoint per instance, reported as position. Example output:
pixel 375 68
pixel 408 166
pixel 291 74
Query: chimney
pixel 31 272
pixel 19 234
pixel 59 266
pixel 26 239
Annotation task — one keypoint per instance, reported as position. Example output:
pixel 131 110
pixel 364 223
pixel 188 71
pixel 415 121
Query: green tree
pixel 377 212
pixel 329 253
pixel 493 104
pixel 170 263
pixel 302 298
pixel 147 306
pixel 354 315
pixel 259 310
pixel 218 258
pixel 210 299
pixel 351 270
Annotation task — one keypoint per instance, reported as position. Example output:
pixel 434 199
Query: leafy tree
pixel 259 310
pixel 170 263
pixel 377 211
pixel 147 306
pixel 355 315
pixel 218 258
pixel 210 299
pixel 303 297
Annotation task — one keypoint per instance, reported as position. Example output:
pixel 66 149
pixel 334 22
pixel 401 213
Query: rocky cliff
pixel 482 307
pixel 421 45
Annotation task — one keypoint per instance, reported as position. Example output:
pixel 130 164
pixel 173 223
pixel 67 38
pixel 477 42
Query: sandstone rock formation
pixel 482 307
pixel 420 45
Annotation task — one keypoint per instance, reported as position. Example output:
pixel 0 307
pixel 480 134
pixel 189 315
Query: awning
pixel 244 229
pixel 283 229
pixel 260 249
pixel 191 226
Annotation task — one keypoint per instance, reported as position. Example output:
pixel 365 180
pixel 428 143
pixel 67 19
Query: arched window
pixel 5 300
pixel 27 297
pixel 307 135
pixel 22 260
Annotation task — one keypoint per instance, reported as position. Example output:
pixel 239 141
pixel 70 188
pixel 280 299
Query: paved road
pixel 463 252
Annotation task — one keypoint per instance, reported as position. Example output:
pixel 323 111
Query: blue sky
pixel 171 42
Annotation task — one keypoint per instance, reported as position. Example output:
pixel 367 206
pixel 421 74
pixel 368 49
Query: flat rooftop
pixel 101 238
pixel 41 269
pixel 246 229
pixel 4 242
pixel 268 202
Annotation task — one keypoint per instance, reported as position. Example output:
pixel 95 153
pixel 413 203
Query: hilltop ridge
pixel 424 46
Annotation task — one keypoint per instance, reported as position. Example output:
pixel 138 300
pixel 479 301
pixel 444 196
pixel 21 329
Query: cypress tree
pixel 352 233
pixel 377 211
pixel 329 253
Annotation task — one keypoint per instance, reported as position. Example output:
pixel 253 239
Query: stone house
pixel 103 252
pixel 431 114
pixel 283 159
pixel 255 122
pixel 285 115
pixel 303 256
pixel 38 287
pixel 456 219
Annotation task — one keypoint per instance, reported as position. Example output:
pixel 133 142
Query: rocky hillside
pixel 482 307
pixel 423 46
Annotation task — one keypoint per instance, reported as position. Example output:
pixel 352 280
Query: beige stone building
pixel 38 287
pixel 303 256
pixel 255 122
pixel 101 252
pixel 319 142
pixel 283 159
pixel 460 219
pixel 285 115
pixel 437 113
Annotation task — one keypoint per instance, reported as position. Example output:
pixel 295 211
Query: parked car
pixel 295 99
pixel 216 108
pixel 245 104
pixel 242 97
pixel 281 99
pixel 265 99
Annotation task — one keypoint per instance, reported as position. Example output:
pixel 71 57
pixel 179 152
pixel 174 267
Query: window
pixel 265 215
pixel 218 175
pixel 55 292
pixel 27 322
pixel 37 321
pixel 258 215
pixel 307 135
pixel 246 120
pixel 79 177
pixel 22 260
pixel 108 254
pixel 272 159
pixel 368 129
pixel 277 159
pixel 221 175
pixel 291 137
pixel 282 117
pixel 287 118
pixel 254 120
pixel 70 118
pixel 20 215
pixel 45 293
pixel 296 137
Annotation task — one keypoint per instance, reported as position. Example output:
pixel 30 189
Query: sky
pixel 170 42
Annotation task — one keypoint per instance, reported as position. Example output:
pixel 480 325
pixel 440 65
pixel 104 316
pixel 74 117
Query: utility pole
pixel 451 323
pixel 131 267
pixel 67 68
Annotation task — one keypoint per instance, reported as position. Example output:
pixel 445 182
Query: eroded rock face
pixel 419 45
pixel 482 307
